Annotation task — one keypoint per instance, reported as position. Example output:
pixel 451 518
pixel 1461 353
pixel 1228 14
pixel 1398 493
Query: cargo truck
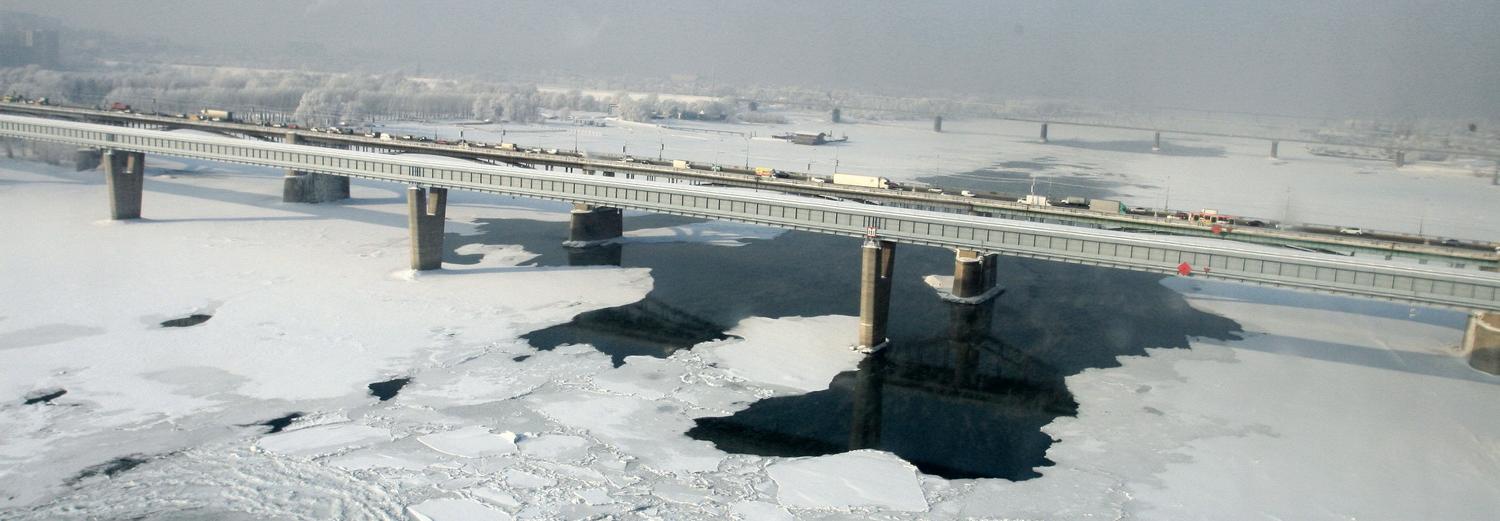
pixel 861 180
pixel 1106 206
pixel 678 163
pixel 217 115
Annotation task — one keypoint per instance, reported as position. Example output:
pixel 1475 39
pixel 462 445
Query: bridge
pixel 1481 255
pixel 1275 140
pixel 977 240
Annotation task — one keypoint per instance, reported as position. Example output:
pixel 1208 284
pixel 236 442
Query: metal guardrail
pixel 1209 258
pixel 1363 246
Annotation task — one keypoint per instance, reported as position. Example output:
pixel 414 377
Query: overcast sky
pixel 1411 57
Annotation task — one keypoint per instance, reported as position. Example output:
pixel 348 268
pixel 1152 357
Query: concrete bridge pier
pixel 85 159
pixel 593 225
pixel 937 123
pixel 304 187
pixel 426 210
pixel 879 261
pixel 124 175
pixel 1044 132
pixel 1274 152
pixel 1482 341
pixel 968 274
pixel 974 275
pixel 1156 146
pixel 1400 159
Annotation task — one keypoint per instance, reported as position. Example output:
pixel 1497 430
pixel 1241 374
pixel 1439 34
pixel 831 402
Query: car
pixel 1451 242
pixel 966 193
pixel 1351 231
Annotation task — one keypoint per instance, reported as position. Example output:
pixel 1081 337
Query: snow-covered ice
pixel 861 478
pixel 1328 408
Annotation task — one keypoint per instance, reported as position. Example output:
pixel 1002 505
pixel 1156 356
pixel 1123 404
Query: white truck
pixel 1033 199
pixel 680 164
pixel 861 180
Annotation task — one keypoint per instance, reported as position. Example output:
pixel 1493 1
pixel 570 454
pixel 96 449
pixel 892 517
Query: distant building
pixel 29 47
pixel 809 138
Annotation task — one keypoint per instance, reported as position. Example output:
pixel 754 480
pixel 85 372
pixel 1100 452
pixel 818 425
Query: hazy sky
pixel 1408 57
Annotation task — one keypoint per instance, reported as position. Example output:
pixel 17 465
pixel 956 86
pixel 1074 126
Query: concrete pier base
pixel 1482 342
pixel 975 279
pixel 426 210
pixel 303 187
pixel 1275 153
pixel 592 225
pixel 937 124
pixel 124 175
pixel 1044 132
pixel 1156 146
pixel 968 274
pixel 879 262
pixel 85 159
pixel 1400 159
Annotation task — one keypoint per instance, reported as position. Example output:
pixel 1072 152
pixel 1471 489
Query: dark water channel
pixel 963 390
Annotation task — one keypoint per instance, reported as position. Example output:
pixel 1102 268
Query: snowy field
pixel 1327 408
pixel 1237 177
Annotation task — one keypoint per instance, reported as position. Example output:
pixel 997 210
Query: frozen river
pixel 697 370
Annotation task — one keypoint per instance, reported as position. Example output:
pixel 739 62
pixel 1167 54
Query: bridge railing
pixel 1210 258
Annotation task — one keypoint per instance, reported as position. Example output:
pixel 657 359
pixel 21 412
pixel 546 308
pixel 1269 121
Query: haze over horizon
pixel 1337 58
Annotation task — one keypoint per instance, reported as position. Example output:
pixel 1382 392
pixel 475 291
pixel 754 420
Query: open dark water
pixel 963 390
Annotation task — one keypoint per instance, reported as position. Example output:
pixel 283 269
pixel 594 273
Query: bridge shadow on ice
pixel 962 392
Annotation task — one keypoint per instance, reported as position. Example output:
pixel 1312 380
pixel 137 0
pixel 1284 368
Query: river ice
pixel 1328 408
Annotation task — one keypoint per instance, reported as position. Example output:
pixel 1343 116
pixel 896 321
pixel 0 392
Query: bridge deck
pixel 1210 258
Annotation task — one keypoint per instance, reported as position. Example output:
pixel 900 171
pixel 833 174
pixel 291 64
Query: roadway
pixel 1471 254
pixel 1207 258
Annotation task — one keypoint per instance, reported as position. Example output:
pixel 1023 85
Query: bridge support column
pixel 303 187
pixel 974 277
pixel 1274 153
pixel 124 175
pixel 592 225
pixel 1400 159
pixel 85 159
pixel 937 124
pixel 1482 341
pixel 1156 146
pixel 879 261
pixel 968 274
pixel 426 210
pixel 1044 132
pixel 991 271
